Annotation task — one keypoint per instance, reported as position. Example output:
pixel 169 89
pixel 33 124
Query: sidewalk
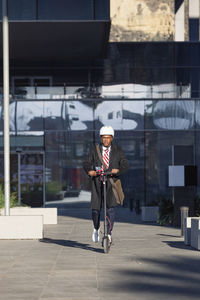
pixel 146 262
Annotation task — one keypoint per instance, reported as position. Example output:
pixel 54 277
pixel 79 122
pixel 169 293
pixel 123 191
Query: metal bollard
pixel 184 214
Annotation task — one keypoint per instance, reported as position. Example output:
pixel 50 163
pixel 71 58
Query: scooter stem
pixel 104 187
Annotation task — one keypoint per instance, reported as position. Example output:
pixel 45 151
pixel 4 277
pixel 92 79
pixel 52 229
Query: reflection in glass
pixel 197 116
pixel 134 91
pixel 121 115
pixel 67 115
pixel 26 116
pixel 69 127
pixel 171 115
pixel 32 179
pixel 24 92
pixel 1 116
pixel 125 91
pixel 65 152
pixel 119 91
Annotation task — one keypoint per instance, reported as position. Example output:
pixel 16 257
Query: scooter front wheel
pixel 106 244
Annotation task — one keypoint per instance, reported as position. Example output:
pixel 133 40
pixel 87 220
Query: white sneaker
pixel 95 236
pixel 110 238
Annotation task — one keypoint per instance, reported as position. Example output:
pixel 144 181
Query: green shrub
pixel 166 211
pixel 197 206
pixel 13 198
pixel 52 188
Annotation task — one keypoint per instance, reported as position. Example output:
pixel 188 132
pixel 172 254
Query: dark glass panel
pixel 183 79
pixel 193 30
pixel 147 54
pixel 158 149
pixel 65 152
pixel 65 10
pixel 187 54
pixel 195 82
pixel 31 168
pixel 133 181
pixel 31 175
pixel 1 116
pixel 22 9
pixel 0 9
pixel 182 54
pixel 197 152
pixel 194 54
pixel 153 76
pixel 183 155
pixel 102 9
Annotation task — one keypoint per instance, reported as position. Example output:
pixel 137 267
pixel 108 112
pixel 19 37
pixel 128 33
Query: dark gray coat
pixel 117 161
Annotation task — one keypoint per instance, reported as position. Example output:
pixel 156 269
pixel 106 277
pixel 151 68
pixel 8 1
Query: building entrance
pixel 27 178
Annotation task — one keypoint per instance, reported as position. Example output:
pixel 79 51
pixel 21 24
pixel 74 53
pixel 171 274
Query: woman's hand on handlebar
pixel 92 173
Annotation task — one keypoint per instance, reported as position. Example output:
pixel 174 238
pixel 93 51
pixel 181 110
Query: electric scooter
pixel 106 244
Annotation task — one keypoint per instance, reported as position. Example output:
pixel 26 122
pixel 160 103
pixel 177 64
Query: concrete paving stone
pixel 84 274
pixel 72 266
pixel 27 276
pixel 146 262
pixel 34 269
pixel 18 297
pixel 69 291
pixel 20 291
pixel 74 298
pixel 70 286
pixel 34 260
pixel 80 264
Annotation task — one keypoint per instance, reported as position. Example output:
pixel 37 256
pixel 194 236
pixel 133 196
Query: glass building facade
pixel 149 92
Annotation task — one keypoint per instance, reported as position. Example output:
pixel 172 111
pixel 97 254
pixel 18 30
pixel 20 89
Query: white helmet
pixel 107 130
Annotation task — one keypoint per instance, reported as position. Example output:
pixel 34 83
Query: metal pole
pixel 184 214
pixel 6 106
pixel 19 179
pixel 105 203
pixel 44 180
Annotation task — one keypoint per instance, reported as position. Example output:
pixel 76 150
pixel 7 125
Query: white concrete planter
pixel 150 213
pixel 49 213
pixel 195 233
pixel 187 231
pixel 21 227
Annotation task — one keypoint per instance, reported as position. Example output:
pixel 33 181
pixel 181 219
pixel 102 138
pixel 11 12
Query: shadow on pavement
pixel 168 277
pixel 82 210
pixel 179 245
pixel 169 235
pixel 72 244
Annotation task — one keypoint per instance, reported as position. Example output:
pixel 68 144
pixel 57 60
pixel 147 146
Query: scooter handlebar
pixel 108 173
pixel 102 173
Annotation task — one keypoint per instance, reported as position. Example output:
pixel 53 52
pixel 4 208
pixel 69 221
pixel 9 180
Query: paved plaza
pixel 146 262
